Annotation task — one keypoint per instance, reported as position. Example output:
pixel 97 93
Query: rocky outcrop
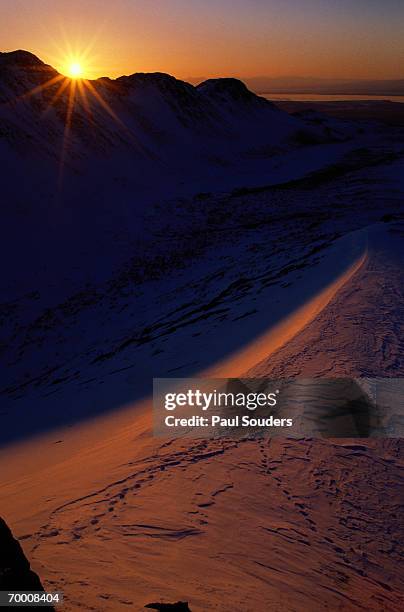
pixel 179 606
pixel 20 58
pixel 226 89
pixel 15 570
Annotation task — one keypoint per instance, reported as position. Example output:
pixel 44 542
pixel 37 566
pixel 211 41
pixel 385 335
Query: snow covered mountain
pixel 112 191
pixel 155 120
pixel 89 158
pixel 152 228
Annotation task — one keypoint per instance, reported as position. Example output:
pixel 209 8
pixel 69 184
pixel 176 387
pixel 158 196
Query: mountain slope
pixel 15 570
pixel 84 159
pixel 149 114
pixel 176 228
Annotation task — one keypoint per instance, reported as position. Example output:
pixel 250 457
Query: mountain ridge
pixel 147 112
pixel 76 165
pixel 26 60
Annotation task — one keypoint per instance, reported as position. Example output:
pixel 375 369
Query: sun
pixel 75 70
pixel 72 87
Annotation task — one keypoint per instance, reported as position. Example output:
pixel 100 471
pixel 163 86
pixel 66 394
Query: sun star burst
pixel 75 70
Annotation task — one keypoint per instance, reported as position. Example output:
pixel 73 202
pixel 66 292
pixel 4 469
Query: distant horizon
pixel 237 38
pixel 285 84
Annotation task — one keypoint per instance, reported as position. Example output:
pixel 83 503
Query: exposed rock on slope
pixel 179 606
pixel 15 571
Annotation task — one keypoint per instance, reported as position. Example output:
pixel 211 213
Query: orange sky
pixel 202 38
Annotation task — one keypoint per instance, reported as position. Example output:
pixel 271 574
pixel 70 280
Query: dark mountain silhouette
pixel 21 58
pixel 15 571
pixel 151 117
pixel 179 606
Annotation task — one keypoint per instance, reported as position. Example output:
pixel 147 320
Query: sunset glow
pixel 202 370
pixel 72 86
pixel 306 38
pixel 75 70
